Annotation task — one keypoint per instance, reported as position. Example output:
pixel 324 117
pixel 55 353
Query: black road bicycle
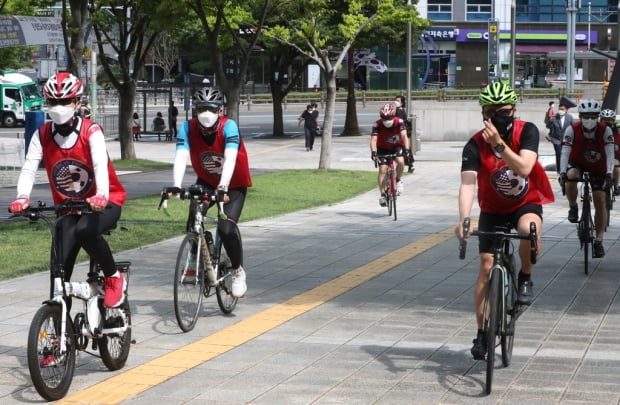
pixel 500 307
pixel 202 267
pixel 54 337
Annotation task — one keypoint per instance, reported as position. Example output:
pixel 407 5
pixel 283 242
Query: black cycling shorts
pixel 488 222
pixel 597 180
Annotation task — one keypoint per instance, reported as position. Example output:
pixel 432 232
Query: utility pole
pixel 571 11
pixel 513 41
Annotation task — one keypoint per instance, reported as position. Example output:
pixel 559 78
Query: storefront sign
pixel 532 36
pixel 442 34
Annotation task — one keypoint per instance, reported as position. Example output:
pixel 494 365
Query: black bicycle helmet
pixel 497 93
pixel 211 97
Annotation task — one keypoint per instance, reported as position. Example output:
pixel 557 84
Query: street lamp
pixel 571 11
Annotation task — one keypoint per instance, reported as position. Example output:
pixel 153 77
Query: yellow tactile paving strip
pixel 139 379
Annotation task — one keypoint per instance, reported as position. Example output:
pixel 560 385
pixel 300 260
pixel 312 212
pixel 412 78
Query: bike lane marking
pixel 148 375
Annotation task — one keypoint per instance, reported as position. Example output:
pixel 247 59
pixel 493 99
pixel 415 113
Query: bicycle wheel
pixel 114 348
pixel 586 234
pixel 389 191
pixel 50 369
pixel 394 195
pixel 188 283
pixel 492 329
pixel 225 299
pixel 510 317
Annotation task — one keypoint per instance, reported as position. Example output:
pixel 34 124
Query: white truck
pixel 18 95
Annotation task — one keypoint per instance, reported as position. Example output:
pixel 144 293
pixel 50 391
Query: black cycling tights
pixel 85 231
pixel 227 228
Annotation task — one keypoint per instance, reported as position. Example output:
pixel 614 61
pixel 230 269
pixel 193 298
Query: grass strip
pixel 25 247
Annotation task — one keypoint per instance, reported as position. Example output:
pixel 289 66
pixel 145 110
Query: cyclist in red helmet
pixel 74 152
pixel 389 136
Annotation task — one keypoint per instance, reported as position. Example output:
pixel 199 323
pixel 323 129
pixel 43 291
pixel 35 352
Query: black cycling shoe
pixel 573 214
pixel 524 295
pixel 479 349
pixel 616 190
pixel 598 250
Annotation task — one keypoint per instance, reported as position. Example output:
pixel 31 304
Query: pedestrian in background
pixel 173 113
pixel 310 117
pixel 135 128
pixel 557 124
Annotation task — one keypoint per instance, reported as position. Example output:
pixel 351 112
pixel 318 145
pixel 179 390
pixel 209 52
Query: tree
pixel 166 53
pixel 367 39
pixel 124 36
pixel 280 67
pixel 74 33
pixel 232 30
pixel 327 29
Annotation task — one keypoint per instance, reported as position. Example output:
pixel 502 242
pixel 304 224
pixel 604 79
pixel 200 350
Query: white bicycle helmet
pixel 211 97
pixel 589 106
pixel 63 85
pixel 608 113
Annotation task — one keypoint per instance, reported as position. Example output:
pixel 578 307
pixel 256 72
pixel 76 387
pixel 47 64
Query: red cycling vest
pixel 389 138
pixel 500 190
pixel 208 160
pixel 589 155
pixel 70 171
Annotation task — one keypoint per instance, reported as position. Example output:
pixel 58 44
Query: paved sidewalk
pixel 401 337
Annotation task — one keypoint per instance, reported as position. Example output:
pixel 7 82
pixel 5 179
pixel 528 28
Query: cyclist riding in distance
pixel 588 145
pixel 502 159
pixel 608 117
pixel 220 161
pixel 389 136
pixel 73 150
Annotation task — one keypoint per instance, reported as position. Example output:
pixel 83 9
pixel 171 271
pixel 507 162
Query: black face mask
pixel 209 137
pixel 503 124
pixel 63 129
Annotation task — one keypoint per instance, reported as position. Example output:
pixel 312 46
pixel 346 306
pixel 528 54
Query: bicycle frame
pixel 199 266
pixel 389 186
pixel 86 291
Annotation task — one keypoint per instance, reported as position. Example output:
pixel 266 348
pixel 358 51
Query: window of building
pixel 555 10
pixel 440 10
pixel 479 10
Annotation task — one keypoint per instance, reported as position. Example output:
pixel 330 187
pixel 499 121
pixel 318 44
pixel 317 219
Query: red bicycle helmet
pixel 388 111
pixel 63 85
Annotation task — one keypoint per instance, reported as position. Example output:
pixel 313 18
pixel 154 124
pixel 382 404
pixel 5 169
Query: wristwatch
pixel 499 147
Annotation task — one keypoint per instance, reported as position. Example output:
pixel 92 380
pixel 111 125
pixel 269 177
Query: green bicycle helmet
pixel 498 93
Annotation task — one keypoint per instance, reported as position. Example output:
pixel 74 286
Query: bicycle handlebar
pixel 195 192
pixel 502 233
pixel 35 212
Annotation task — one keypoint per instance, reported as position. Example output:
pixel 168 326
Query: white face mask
pixel 396 104
pixel 61 113
pixel 207 118
pixel 561 113
pixel 588 123
pixel 388 123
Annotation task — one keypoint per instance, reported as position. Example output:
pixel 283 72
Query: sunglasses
pixel 202 109
pixel 588 116
pixel 504 112
pixel 62 101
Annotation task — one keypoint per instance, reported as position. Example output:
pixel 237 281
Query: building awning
pixel 530 49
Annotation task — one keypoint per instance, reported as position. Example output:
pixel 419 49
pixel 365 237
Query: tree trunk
pixel 126 99
pixel 278 117
pixel 351 126
pixel 328 121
